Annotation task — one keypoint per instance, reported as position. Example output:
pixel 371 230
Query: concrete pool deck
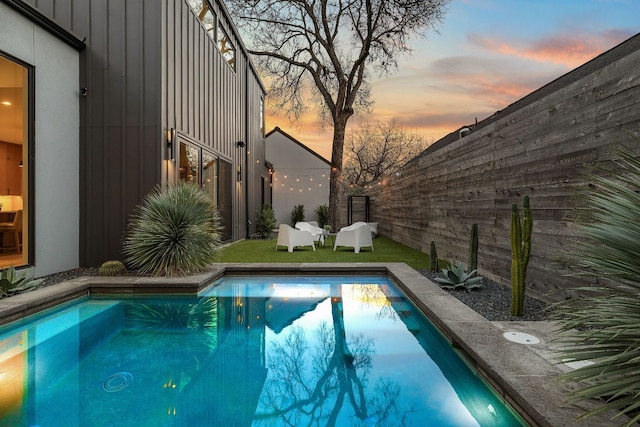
pixel 526 375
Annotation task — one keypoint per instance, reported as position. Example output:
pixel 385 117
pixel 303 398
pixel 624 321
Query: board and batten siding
pixel 538 146
pixel 214 105
pixel 120 125
pixel 148 67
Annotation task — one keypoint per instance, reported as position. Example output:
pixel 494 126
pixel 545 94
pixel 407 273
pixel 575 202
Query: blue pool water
pixel 248 351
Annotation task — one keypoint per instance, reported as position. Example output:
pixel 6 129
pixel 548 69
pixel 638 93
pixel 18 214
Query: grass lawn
pixel 386 250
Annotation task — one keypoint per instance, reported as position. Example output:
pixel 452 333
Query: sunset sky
pixel 487 55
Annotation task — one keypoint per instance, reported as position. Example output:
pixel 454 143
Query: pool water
pixel 248 351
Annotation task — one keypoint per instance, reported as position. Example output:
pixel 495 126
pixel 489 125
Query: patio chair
pixel 290 237
pixel 357 235
pixel 316 232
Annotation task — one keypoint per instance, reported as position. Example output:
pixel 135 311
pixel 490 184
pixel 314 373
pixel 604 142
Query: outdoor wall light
pixel 241 144
pixel 20 164
pixel 171 138
pixel 239 171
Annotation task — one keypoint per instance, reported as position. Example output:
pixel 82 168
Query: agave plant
pixel 604 328
pixel 175 231
pixel 456 278
pixel 14 281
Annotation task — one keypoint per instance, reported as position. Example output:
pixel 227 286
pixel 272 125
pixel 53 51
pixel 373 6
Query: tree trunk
pixel 335 178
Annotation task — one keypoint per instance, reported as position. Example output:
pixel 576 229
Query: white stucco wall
pixel 300 177
pixel 56 184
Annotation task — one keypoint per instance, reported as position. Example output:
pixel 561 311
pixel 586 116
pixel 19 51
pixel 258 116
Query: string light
pixel 309 179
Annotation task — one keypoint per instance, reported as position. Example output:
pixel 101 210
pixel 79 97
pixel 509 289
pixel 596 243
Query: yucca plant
pixel 604 328
pixel 456 278
pixel 174 232
pixel 14 281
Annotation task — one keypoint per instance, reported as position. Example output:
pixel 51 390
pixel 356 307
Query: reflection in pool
pixel 249 351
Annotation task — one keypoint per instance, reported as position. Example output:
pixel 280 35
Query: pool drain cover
pixel 117 382
pixel 521 338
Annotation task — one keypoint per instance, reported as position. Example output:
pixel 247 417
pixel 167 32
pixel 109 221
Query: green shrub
pixel 323 215
pixel 456 278
pixel 266 222
pixel 112 268
pixel 174 232
pixel 14 281
pixel 605 327
pixel 297 215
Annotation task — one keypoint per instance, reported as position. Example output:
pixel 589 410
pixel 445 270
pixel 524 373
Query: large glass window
pixel 225 198
pixel 189 163
pixel 214 175
pixel 14 129
pixel 210 175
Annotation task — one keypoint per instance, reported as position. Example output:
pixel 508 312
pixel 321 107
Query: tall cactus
pixel 473 248
pixel 520 252
pixel 433 258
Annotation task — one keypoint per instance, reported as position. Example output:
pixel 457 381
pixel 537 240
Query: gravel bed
pixel 492 301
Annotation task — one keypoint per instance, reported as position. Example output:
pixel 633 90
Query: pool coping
pixel 527 376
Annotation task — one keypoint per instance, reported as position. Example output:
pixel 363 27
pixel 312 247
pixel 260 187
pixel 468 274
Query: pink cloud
pixel 570 50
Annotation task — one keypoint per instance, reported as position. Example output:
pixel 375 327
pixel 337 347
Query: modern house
pixel 101 101
pixel 300 176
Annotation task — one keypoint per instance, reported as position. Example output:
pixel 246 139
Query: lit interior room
pixel 13 147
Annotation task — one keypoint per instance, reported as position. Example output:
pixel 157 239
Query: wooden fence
pixel 538 146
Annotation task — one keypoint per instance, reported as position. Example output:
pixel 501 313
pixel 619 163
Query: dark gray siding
pixel 120 126
pixel 149 66
pixel 214 105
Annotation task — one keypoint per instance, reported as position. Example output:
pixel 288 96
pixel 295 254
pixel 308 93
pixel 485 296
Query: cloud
pixel 571 49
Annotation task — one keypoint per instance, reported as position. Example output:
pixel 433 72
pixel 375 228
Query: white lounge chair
pixel 357 235
pixel 290 237
pixel 316 232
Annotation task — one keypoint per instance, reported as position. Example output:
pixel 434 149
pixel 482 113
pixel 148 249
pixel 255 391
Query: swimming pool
pixel 261 351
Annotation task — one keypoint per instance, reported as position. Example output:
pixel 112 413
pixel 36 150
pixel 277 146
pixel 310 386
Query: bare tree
pixel 327 48
pixel 374 149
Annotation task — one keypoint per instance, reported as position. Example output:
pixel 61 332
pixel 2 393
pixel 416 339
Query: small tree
pixel 323 215
pixel 266 221
pixel 375 149
pixel 297 215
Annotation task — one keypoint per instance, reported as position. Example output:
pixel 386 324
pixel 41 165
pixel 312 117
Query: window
pixel 14 146
pixel 189 163
pixel 210 175
pixel 262 117
pixel 204 168
pixel 226 48
pixel 203 12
